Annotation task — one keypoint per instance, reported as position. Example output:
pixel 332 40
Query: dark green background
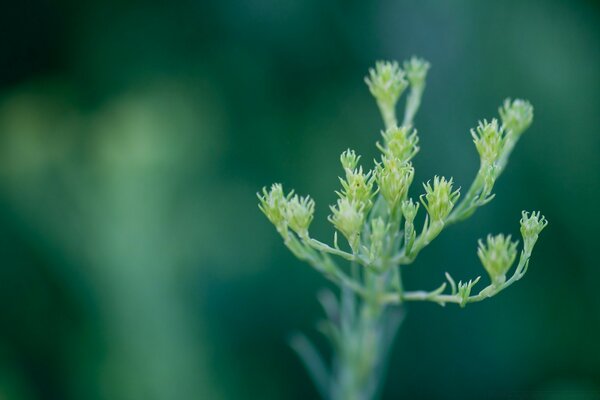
pixel 134 263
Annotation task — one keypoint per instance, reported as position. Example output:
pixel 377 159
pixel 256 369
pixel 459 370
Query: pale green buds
pixel 283 211
pixel 348 218
pixel 273 204
pixel 531 226
pixel 516 115
pixel 394 178
pixel 386 82
pixel 358 187
pixel 409 210
pixel 416 71
pixel 497 256
pixel 400 143
pixel 439 198
pixel 349 159
pixel 299 214
pixel 489 141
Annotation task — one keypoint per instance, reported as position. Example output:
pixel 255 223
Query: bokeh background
pixel 134 263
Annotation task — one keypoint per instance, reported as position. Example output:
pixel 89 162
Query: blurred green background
pixel 134 263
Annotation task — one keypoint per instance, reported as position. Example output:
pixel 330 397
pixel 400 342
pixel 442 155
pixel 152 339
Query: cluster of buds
pixel 516 116
pixel 348 217
pixel 400 143
pixel 394 178
pixel 531 226
pixel 293 211
pixel 439 199
pixel 497 256
pixel 489 141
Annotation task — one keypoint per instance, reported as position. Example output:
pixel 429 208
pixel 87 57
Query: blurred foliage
pixel 134 135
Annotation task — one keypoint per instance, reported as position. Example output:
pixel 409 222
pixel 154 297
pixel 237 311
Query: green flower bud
pixel 531 226
pixel 516 115
pixel 349 160
pixel 489 141
pixel 497 256
pixel 400 143
pixel 416 71
pixel 299 214
pixel 358 187
pixel 394 178
pixel 348 217
pixel 386 82
pixel 439 198
pixel 273 204
pixel 409 210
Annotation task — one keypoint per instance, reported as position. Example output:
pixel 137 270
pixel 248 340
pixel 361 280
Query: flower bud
pixel 358 187
pixel 273 204
pixel 386 82
pixel 516 115
pixel 349 160
pixel 531 226
pixel 400 143
pixel 439 198
pixel 348 218
pixel 497 256
pixel 489 141
pixel 416 71
pixel 409 210
pixel 299 214
pixel 394 178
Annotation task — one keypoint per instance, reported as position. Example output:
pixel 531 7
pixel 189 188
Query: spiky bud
pixel 386 81
pixel 348 217
pixel 273 204
pixel 358 187
pixel 516 116
pixel 489 141
pixel 349 160
pixel 439 199
pixel 497 256
pixel 400 143
pixel 299 214
pixel 416 71
pixel 394 178
pixel 531 226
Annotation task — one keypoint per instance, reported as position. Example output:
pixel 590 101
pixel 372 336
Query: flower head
pixel 489 141
pixel 497 256
pixel 439 198
pixel 348 217
pixel 349 160
pixel 409 210
pixel 416 71
pixel 516 116
pixel 273 204
pixel 394 178
pixel 386 81
pixel 531 226
pixel 358 186
pixel 400 143
pixel 299 212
